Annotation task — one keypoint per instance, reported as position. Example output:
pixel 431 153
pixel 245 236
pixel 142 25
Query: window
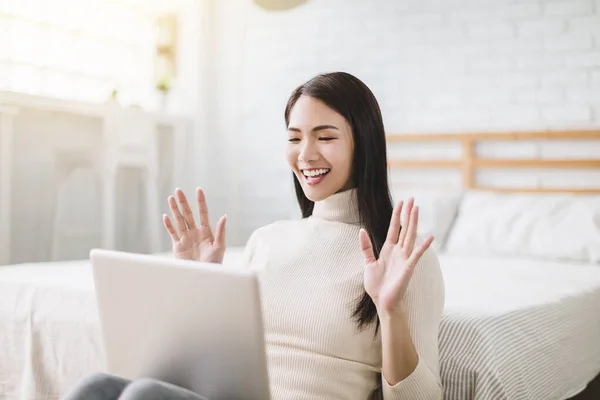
pixel 78 49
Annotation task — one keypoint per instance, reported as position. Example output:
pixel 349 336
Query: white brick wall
pixel 443 65
pixel 543 26
pixel 569 8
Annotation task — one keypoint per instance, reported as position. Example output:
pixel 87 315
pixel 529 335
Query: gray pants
pixel 101 386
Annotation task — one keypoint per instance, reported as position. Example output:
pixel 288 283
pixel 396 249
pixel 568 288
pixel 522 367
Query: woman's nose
pixel 308 153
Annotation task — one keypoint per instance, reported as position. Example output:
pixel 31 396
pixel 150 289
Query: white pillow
pixel 437 210
pixel 551 226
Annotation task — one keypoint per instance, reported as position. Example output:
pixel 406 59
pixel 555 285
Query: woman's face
pixel 320 148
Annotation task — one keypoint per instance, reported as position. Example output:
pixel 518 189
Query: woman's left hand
pixel 387 277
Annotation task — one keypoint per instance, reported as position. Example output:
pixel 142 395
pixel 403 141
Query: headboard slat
pixel 470 161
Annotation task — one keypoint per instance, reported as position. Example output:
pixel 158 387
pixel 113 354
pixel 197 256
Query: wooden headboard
pixel 470 161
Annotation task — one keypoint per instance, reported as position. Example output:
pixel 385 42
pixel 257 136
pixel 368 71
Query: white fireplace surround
pixel 32 128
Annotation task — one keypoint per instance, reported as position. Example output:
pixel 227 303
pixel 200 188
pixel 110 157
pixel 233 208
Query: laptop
pixel 195 325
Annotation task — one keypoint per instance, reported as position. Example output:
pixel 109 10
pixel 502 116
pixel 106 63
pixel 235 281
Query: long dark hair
pixel 352 99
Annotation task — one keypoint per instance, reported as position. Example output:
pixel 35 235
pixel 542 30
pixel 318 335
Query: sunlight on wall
pixel 78 49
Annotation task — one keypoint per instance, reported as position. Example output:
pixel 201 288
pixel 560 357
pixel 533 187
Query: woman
pixel 338 306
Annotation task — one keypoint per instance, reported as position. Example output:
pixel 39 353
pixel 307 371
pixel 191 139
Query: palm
pixel 191 242
pixel 386 278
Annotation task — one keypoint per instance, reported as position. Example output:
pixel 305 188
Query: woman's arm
pixel 409 337
pixel 406 285
pixel 399 358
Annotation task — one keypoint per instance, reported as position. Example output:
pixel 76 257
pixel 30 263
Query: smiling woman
pixel 340 317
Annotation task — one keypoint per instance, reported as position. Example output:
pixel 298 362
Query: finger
pixel 366 246
pixel 401 284
pixel 404 228
pixel 169 227
pixel 411 235
pixel 394 229
pixel 220 231
pixel 202 208
pixel 179 221
pixel 416 255
pixel 188 215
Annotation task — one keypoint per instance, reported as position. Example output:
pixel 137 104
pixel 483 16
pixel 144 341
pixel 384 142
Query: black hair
pixel 352 99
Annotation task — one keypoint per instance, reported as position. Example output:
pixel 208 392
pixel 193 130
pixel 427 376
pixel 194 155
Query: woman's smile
pixel 314 176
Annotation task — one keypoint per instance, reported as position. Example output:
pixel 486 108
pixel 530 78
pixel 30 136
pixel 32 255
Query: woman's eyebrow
pixel 316 128
pixel 322 127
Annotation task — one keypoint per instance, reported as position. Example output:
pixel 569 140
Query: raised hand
pixel 191 242
pixel 387 277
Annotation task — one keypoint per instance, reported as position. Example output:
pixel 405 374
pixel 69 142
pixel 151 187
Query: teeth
pixel 315 172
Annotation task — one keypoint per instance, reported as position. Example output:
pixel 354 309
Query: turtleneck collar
pixel 339 207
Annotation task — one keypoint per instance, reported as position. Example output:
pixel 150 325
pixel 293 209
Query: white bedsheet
pixel 512 328
pixel 48 329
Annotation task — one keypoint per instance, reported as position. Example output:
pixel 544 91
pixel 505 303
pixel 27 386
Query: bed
pixel 521 259
pixel 512 329
pixel 521 317
pixel 516 328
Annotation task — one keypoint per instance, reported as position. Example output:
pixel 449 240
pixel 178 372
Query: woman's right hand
pixel 189 241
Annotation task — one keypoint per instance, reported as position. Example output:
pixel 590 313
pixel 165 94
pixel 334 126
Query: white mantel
pixel 27 101
pixel 21 149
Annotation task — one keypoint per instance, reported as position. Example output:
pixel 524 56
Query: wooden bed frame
pixel 470 162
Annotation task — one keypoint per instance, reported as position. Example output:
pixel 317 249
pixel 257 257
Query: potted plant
pixel 164 86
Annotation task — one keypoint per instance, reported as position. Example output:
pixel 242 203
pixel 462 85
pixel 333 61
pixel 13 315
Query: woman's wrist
pixel 396 315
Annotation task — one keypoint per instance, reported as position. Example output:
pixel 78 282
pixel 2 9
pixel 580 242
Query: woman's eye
pixel 293 140
pixel 326 139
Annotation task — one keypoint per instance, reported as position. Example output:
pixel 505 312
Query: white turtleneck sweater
pixel 311 275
